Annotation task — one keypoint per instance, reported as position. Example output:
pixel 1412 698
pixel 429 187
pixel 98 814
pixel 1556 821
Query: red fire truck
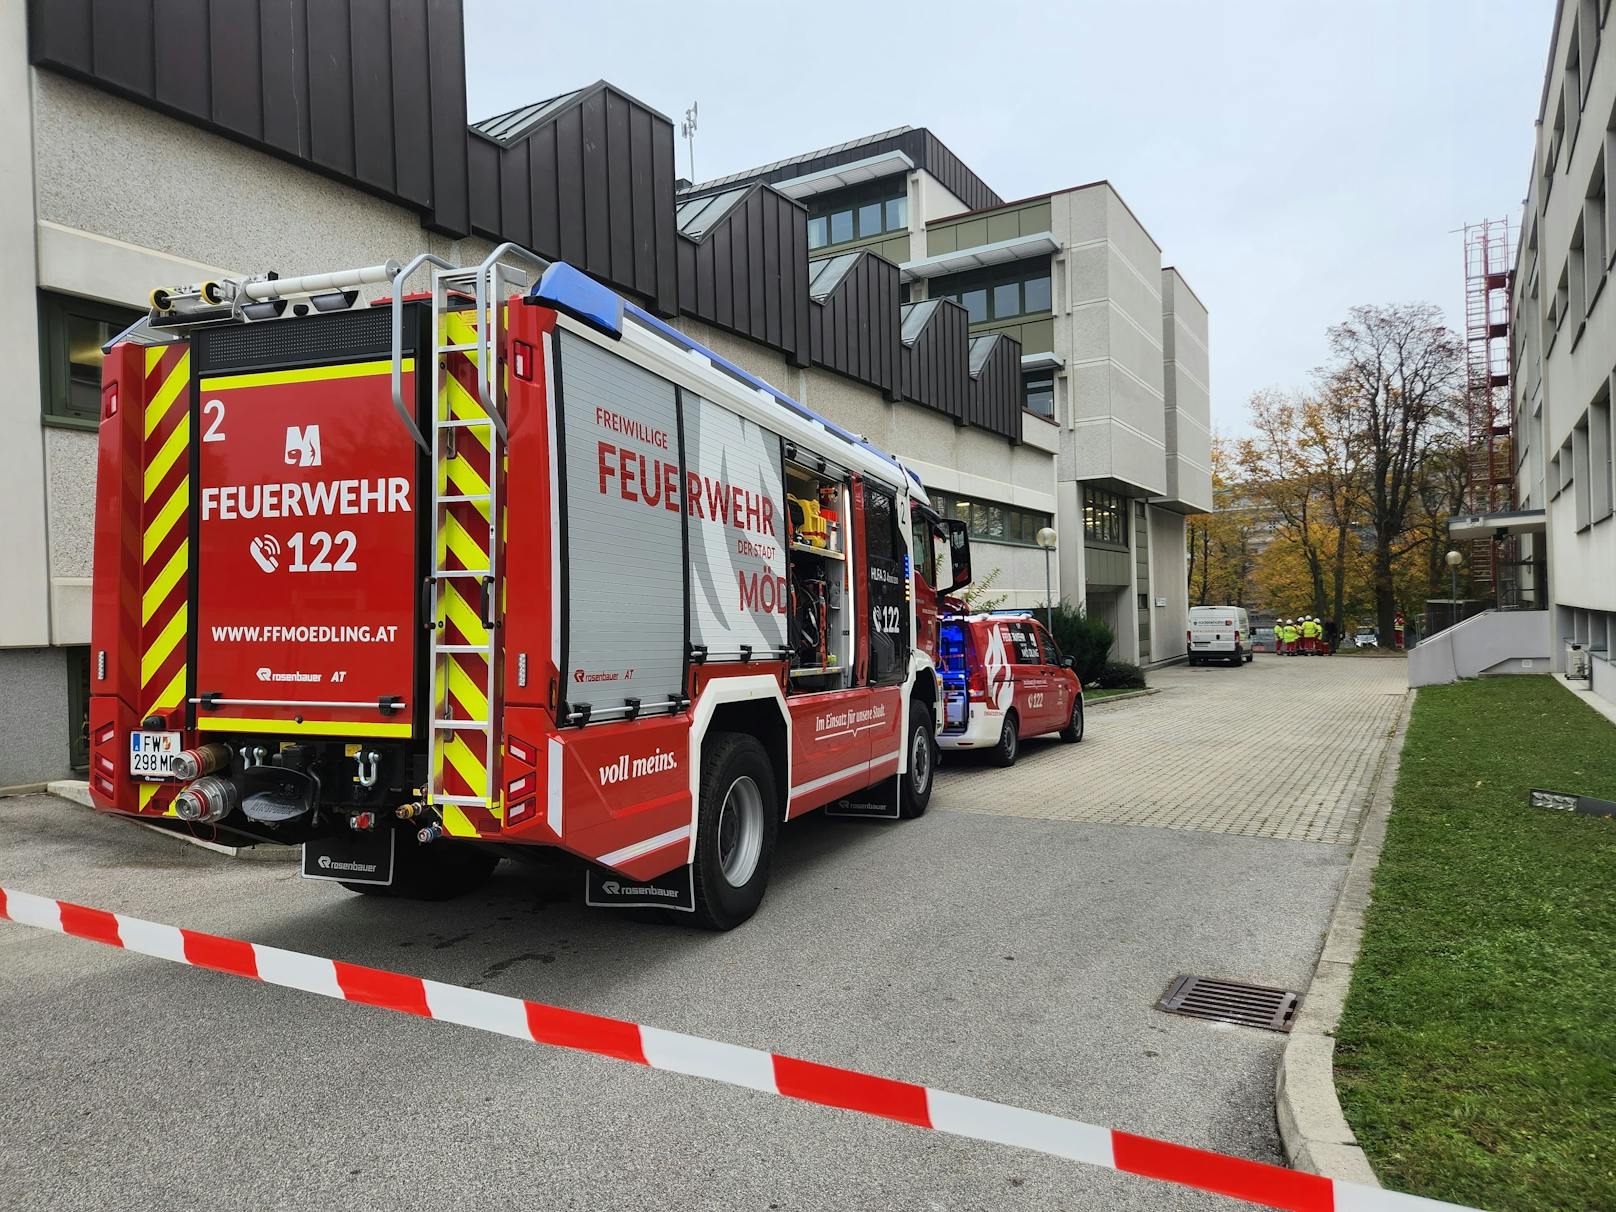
pixel 491 566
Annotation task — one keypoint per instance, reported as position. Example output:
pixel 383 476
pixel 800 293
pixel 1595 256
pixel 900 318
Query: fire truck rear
pixel 497 565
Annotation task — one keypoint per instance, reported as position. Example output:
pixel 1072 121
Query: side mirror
pixel 1068 662
pixel 959 555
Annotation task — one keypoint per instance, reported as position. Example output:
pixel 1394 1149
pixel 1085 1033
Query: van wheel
pixel 438 872
pixel 1237 659
pixel 736 826
pixel 914 787
pixel 1008 749
pixel 1074 727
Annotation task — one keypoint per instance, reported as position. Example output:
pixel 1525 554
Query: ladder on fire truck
pixel 466 445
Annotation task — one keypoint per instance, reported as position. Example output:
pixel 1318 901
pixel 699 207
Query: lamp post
pixel 1454 560
pixel 1046 540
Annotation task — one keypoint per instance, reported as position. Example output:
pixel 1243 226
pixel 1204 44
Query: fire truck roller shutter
pixel 737 533
pixel 625 565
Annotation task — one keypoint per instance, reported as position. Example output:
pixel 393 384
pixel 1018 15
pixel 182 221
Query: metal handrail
pixel 399 278
pixel 487 369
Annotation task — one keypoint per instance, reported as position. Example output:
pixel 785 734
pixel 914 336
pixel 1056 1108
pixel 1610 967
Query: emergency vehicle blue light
pixel 578 295
pixel 751 380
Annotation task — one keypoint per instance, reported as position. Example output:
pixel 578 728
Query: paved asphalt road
pixel 1010 958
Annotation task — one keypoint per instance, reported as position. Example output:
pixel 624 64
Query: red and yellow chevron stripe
pixel 459 758
pixel 165 545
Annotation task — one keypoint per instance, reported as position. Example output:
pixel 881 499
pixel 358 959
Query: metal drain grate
pixel 1231 1002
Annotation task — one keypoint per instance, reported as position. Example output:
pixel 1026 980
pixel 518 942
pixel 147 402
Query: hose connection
pixel 194 763
pixel 207 800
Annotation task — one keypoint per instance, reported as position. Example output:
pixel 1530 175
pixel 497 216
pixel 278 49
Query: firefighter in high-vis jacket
pixel 1287 637
pixel 1312 633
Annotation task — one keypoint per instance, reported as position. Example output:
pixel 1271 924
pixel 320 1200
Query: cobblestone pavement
pixel 1285 747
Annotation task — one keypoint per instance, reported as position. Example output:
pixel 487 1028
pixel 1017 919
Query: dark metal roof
pixel 753 174
pixel 826 274
pixel 517 123
pixel 919 144
pixel 698 217
pixel 915 318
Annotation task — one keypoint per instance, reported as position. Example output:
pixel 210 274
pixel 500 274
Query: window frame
pixel 55 367
pixel 1039 377
pixel 995 278
pixel 1105 519
pixel 976 514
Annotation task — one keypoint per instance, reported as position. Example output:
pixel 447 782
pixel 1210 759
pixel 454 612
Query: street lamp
pixel 1046 540
pixel 1454 560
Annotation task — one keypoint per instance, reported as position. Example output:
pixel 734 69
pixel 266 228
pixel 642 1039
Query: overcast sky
pixel 1291 159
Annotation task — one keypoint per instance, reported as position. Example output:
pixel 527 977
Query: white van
pixel 1221 633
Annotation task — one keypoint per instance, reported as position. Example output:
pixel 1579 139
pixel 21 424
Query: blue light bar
pixel 581 297
pixel 576 294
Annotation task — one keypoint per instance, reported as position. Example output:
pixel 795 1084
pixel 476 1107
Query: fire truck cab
pixel 497 565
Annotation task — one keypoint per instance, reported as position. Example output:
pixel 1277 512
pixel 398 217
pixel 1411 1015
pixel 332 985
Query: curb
pixel 1312 1128
pixel 1120 698
pixel 77 791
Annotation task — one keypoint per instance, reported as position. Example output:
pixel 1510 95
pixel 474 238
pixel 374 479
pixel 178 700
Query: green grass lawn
pixel 1476 1059
pixel 1094 696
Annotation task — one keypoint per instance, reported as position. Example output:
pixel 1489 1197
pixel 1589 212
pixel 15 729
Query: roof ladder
pixel 464 585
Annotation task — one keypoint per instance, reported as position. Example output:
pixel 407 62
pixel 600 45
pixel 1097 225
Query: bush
pixel 1085 639
pixel 1119 675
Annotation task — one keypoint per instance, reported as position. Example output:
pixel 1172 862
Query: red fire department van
pixel 496 566
pixel 1003 679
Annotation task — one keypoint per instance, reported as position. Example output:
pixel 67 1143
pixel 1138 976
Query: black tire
pixel 1073 732
pixel 727 897
pixel 1008 749
pixel 1237 660
pixel 438 872
pixel 915 784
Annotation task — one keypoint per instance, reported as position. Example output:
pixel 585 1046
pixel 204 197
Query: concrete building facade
pixel 1564 358
pixel 1114 362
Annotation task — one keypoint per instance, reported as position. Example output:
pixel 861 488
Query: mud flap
pixel 355 858
pixel 877 803
pixel 674 890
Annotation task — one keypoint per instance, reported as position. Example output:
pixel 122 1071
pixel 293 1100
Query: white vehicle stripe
pixel 640 849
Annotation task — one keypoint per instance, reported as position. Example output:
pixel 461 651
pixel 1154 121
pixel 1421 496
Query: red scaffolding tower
pixel 1489 404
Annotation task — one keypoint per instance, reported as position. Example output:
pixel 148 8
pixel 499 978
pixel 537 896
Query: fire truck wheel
pixel 432 873
pixel 914 787
pixel 1074 726
pixel 736 827
pixel 1008 749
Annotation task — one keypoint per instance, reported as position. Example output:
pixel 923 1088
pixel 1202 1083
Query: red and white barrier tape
pixel 771 1073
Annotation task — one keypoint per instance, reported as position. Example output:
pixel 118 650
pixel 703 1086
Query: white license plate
pixel 151 754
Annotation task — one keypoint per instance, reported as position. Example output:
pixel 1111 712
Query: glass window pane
pixel 996 522
pixel 976 305
pixel 818 232
pixel 841 226
pixel 979 520
pixel 1007 300
pixel 1041 395
pixel 84 339
pixel 869 219
pixel 897 214
pixel 1037 294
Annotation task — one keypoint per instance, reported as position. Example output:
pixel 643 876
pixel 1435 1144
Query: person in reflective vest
pixel 1287 638
pixel 1311 632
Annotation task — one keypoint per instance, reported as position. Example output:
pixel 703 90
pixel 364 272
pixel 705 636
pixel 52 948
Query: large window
pixel 1039 389
pixel 992 522
pixel 71 334
pixel 1105 518
pixel 1000 292
pixel 854 214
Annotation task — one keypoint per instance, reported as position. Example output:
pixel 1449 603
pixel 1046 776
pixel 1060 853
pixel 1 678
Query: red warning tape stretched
pixel 809 1081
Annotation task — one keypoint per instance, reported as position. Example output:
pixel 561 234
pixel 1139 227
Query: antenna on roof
pixel 687 128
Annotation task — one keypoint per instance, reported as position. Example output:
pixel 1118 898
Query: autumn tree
pixel 1395 372
pixel 1223 544
pixel 1302 464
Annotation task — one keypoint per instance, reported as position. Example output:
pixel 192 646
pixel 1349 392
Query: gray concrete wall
pixel 1493 642
pixel 1187 399
pixel 1570 364
pixel 24 600
pixel 1169 580
pixel 34 681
